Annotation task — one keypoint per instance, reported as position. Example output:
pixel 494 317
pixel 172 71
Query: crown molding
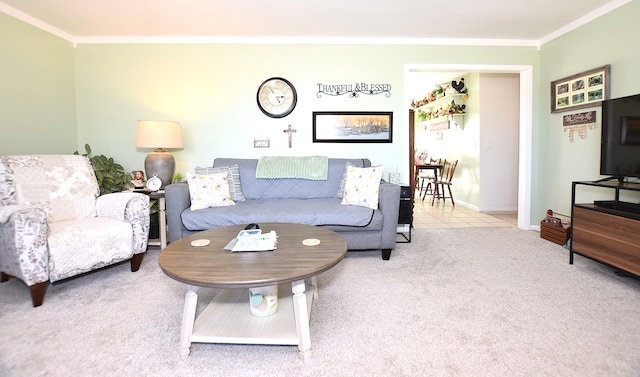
pixel 75 40
pixel 36 23
pixel 308 40
pixel 584 20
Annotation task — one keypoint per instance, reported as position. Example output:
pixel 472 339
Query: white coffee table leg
pixel 313 281
pixel 301 316
pixel 188 319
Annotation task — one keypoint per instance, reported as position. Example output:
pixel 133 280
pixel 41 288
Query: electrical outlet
pixel 261 143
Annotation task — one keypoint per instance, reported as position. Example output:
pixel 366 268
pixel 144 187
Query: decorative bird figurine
pixel 459 86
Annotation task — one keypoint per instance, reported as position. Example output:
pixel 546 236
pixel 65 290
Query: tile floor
pixel 445 215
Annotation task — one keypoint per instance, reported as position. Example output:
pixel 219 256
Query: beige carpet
pixel 454 302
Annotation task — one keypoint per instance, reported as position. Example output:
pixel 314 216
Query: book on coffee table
pixel 253 240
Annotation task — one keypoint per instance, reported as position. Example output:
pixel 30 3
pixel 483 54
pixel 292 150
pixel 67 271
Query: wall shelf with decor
pixel 445 108
pixel 430 124
pixel 458 98
pixel 454 102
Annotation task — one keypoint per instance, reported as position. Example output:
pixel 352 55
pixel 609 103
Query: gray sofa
pixel 302 201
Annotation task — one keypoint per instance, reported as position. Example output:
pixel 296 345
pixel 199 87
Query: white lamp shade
pixel 158 134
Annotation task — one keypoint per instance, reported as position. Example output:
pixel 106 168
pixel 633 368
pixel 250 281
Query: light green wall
pixel 211 90
pixel 464 147
pixel 37 94
pixel 611 39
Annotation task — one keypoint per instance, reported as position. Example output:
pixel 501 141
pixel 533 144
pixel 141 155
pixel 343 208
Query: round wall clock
pixel 277 97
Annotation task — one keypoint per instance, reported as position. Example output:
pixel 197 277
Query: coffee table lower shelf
pixel 227 319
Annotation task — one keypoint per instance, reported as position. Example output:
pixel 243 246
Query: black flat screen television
pixel 620 144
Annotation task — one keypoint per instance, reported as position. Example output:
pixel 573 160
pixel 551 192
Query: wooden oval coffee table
pixel 227 319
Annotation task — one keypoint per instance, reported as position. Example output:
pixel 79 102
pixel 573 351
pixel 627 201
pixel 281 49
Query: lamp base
pixel 162 163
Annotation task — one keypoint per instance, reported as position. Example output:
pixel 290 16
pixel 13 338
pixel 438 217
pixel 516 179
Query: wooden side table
pixel 162 241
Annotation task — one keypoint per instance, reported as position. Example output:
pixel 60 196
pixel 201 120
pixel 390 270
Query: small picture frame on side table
pixel 138 180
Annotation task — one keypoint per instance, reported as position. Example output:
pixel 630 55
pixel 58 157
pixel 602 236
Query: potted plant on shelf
pixel 438 91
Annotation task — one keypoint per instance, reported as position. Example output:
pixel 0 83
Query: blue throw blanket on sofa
pixel 313 168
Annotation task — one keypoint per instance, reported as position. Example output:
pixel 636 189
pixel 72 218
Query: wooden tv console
pixel 606 233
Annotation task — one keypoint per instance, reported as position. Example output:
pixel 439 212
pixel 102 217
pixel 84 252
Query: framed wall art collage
pixel 584 89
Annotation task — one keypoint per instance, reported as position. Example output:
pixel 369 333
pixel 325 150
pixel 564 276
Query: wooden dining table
pixel 436 168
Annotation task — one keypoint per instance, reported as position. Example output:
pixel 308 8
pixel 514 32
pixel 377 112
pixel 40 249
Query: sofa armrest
pixel 177 200
pixel 24 253
pixel 132 208
pixel 389 204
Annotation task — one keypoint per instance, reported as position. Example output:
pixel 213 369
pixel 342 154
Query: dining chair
pixel 448 169
pixel 428 176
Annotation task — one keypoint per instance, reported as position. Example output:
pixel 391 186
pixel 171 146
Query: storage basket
pixel 554 233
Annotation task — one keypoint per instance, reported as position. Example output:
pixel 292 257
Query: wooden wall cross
pixel 290 131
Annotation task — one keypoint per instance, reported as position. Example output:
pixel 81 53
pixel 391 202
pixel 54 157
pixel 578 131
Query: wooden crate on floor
pixel 554 233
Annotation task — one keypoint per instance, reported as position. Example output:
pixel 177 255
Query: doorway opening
pixel 525 123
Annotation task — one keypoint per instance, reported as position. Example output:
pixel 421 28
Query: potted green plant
pixel 110 175
pixel 439 91
pixel 178 177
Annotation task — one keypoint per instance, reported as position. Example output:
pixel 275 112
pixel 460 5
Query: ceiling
pixel 511 22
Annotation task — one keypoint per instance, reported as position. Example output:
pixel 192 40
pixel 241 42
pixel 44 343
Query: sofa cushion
pixel 343 181
pixel 233 176
pixel 362 186
pixel 209 190
pixel 274 188
pixel 318 211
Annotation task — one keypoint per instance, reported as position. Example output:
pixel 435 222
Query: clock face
pixel 277 97
pixel 154 183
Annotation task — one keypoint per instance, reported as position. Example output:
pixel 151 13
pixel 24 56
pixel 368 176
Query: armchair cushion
pixel 82 245
pixel 64 186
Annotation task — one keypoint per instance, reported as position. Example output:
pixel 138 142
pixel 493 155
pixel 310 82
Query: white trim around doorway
pixel 526 123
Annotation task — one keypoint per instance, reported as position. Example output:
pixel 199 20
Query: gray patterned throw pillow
pixel 233 174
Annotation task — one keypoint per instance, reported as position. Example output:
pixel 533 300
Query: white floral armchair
pixel 54 225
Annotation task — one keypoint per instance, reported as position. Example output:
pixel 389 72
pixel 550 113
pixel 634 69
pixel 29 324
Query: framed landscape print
pixel 352 126
pixel 585 89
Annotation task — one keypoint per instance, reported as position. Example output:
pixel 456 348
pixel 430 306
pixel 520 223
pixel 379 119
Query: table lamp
pixel 159 135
